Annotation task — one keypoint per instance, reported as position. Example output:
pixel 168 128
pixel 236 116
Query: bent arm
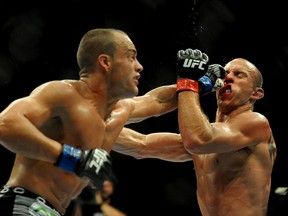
pixel 162 145
pixel 202 137
pixel 19 135
pixel 156 102
pixel 36 126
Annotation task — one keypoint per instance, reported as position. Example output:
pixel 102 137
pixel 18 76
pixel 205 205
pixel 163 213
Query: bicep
pixel 227 137
pixel 24 108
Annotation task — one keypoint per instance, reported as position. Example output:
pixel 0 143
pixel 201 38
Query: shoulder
pixel 255 125
pixel 250 119
pixel 55 91
pixel 53 86
pixel 127 104
pixel 256 119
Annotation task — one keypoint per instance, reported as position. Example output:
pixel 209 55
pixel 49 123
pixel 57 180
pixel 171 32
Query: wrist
pixel 68 158
pixel 184 84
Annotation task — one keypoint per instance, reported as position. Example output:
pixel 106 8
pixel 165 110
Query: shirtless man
pixel 233 157
pixel 47 174
pixel 56 132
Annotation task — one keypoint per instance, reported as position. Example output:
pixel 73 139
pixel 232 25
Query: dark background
pixel 39 40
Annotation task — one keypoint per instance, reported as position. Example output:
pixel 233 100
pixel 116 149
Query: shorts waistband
pixel 5 189
pixel 39 202
pixel 17 190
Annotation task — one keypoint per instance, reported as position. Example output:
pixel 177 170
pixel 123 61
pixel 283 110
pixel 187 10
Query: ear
pixel 105 61
pixel 258 93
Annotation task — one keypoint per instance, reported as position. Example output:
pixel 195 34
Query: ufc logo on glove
pixel 99 159
pixel 194 63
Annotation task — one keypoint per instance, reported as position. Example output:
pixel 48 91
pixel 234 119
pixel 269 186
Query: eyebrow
pixel 132 50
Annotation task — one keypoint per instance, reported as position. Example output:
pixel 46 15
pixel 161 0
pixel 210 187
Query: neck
pixel 225 116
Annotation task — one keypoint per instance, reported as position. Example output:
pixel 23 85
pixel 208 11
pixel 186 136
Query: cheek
pixel 119 77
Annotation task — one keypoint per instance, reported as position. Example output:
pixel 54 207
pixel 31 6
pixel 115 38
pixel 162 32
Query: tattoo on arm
pixel 272 149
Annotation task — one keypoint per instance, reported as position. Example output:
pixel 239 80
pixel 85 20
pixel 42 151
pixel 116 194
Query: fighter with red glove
pixel 195 74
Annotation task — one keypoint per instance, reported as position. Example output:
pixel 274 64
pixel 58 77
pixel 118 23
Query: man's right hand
pixel 95 164
pixel 191 65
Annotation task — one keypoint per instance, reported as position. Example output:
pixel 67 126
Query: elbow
pixel 9 125
pixel 193 146
pixel 196 144
pixel 5 127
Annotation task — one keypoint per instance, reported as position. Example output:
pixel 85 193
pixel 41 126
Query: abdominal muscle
pixel 224 203
pixel 44 179
pixel 229 189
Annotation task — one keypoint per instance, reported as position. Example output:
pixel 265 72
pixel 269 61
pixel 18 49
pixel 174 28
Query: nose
pixel 139 67
pixel 228 77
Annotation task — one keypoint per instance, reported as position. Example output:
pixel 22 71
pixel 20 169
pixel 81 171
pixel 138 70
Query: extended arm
pixel 165 146
pixel 156 102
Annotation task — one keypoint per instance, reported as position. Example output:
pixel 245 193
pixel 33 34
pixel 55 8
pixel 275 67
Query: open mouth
pixel 225 90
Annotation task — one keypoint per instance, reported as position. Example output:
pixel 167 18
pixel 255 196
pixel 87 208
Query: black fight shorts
pixel 18 201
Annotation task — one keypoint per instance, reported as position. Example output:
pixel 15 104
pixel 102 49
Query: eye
pixel 132 55
pixel 239 74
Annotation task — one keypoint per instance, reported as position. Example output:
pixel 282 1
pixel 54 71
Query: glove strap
pixel 187 85
pixel 68 158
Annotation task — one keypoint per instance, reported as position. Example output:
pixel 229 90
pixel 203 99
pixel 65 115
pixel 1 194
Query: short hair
pixel 93 43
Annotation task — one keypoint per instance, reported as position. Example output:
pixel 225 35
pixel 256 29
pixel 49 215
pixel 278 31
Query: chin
pixel 135 92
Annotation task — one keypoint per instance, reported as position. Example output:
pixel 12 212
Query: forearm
pixel 165 98
pixel 154 103
pixel 194 125
pixel 129 142
pixel 164 94
pixel 21 137
pixel 165 146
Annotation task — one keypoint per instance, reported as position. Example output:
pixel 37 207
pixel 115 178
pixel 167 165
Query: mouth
pixel 136 78
pixel 225 90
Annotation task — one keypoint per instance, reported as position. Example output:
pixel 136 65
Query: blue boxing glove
pixel 212 79
pixel 191 65
pixel 94 164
